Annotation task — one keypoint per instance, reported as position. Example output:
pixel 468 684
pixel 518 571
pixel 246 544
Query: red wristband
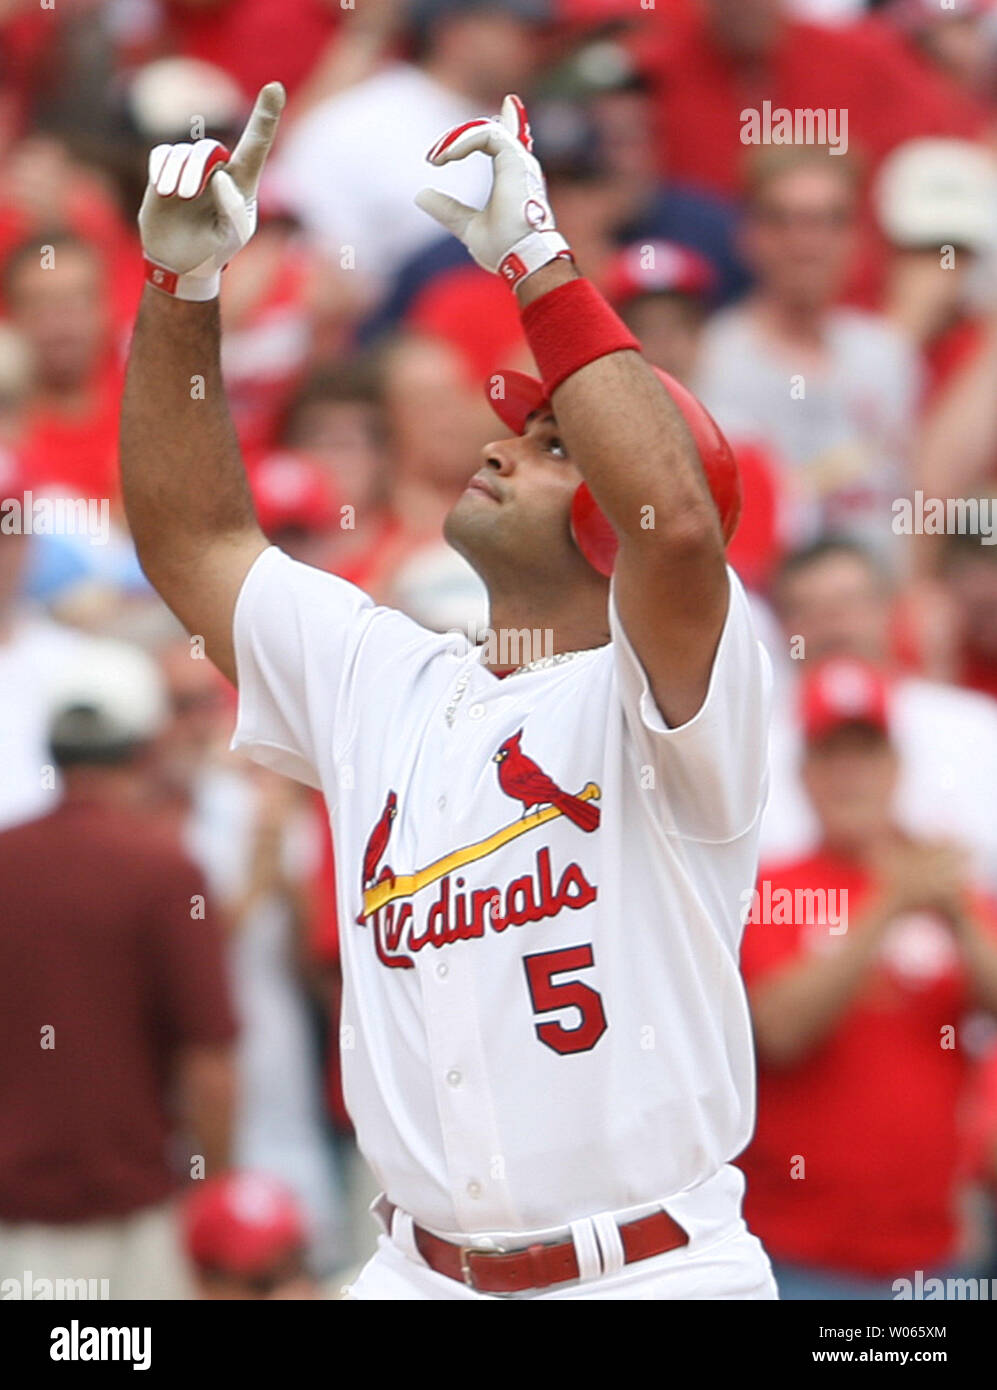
pixel 570 326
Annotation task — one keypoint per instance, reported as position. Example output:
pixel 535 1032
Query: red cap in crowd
pixel 242 1223
pixel 657 267
pixel 843 690
pixel 473 312
pixel 292 490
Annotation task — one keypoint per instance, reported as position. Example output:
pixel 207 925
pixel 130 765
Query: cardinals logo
pixel 521 778
pixel 461 912
pixel 378 841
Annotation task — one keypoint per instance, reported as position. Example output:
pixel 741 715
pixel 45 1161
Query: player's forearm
pixel 629 440
pixel 797 1008
pixel 182 475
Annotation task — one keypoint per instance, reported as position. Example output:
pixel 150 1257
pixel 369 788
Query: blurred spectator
pixel 475 313
pixel 713 60
pixel 117 1029
pixel 957 640
pixel 971 576
pixel 662 292
pixel 245 1236
pixel 33 650
pixel 166 98
pixel 56 292
pixel 956 454
pixel 337 421
pixel 438 424
pixel 295 505
pixel 857 1004
pixel 827 11
pixel 834 599
pixel 15 387
pixel 253 40
pixel 600 161
pixel 256 839
pixel 957 38
pixel 653 202
pixel 352 166
pixel 937 204
pixel 47 191
pixel 284 309
pixel 831 390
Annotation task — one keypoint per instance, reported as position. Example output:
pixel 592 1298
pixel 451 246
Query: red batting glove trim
pixel 221 155
pixel 570 326
pixel 445 141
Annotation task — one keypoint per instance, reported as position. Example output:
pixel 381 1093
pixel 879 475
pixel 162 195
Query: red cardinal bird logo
pixel 521 778
pixel 378 841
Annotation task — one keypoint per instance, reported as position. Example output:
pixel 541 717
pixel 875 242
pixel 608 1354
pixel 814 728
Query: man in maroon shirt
pixel 115 1023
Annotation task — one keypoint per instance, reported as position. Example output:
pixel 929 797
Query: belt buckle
pixel 466 1272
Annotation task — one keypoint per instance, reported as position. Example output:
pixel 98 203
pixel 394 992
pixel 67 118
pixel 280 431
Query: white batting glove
pixel 514 233
pixel 199 207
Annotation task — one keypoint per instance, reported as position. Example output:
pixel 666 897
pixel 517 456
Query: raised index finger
pixel 251 152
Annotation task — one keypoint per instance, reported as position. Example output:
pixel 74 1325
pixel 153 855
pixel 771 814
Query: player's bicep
pixel 297 633
pixel 673 621
pixel 710 771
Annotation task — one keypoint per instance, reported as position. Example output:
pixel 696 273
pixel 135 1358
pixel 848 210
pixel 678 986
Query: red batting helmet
pixel 522 395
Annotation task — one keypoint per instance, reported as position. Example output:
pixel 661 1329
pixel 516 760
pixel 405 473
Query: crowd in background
pixel 169 909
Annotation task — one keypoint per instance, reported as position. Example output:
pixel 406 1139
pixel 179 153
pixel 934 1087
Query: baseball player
pixel 545 1039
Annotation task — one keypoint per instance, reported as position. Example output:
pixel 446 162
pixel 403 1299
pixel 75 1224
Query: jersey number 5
pixel 569 994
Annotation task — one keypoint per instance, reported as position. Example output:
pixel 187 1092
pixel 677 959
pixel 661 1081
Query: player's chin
pixel 472 522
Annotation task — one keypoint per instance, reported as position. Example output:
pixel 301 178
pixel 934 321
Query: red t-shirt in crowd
pixel 256 41
pixel 873 1111
pixel 77 454
pixel 98 945
pixel 861 68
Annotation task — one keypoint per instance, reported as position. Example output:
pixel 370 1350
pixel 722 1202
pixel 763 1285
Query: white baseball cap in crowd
pixel 938 192
pixel 108 699
pixel 163 94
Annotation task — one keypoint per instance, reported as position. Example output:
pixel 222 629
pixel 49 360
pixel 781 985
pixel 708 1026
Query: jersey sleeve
pixel 709 774
pixel 309 648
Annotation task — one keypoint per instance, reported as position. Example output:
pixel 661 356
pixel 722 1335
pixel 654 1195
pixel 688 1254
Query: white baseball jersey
pixel 543 1015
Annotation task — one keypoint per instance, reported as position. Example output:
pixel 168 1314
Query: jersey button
pixel 476 712
pixel 442 970
pixel 454 1077
pixel 441 805
pixel 474 1189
